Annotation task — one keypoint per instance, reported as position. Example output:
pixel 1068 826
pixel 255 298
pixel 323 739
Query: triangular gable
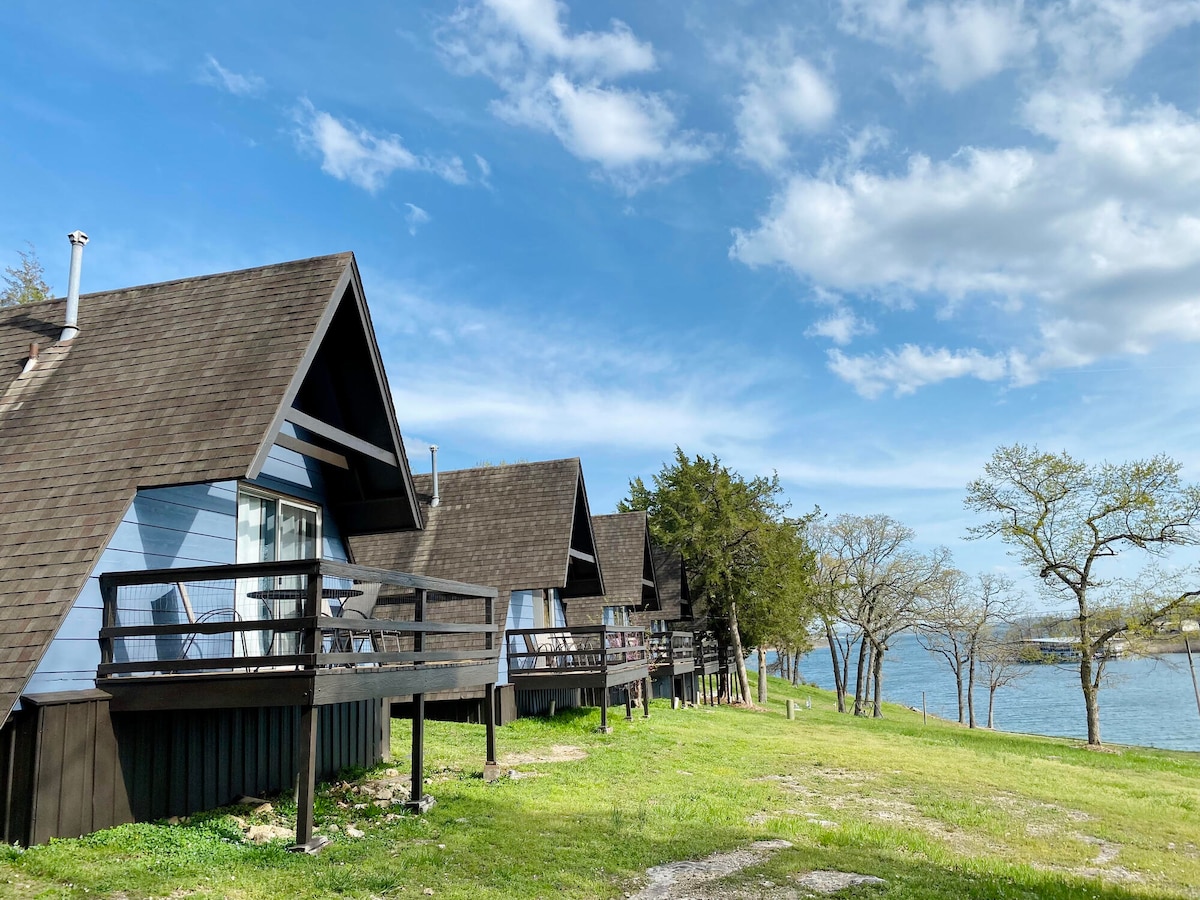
pixel 584 577
pixel 340 407
pixel 650 596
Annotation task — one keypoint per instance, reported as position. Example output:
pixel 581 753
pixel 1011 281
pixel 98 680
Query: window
pixel 616 615
pixel 273 527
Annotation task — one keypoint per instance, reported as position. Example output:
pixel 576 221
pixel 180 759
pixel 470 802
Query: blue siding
pixel 523 610
pixel 190 525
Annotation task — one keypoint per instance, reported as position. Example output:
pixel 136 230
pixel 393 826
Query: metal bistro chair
pixel 359 605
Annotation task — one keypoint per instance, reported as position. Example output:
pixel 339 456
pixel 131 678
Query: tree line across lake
pixel 767 579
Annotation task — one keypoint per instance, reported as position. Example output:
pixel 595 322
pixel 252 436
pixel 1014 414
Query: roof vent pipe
pixel 436 499
pixel 32 359
pixel 71 328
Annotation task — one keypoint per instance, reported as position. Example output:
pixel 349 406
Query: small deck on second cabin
pixel 588 657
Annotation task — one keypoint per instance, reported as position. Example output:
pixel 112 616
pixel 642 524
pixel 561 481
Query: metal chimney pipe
pixel 71 328
pixel 436 499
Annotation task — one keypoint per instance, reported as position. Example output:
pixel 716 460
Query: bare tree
pixel 828 587
pixel 960 611
pixel 946 630
pixel 1000 663
pixel 1061 517
pixel 882 585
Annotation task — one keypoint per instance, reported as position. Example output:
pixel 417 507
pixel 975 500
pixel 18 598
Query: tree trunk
pixel 839 679
pixel 845 672
pixel 1091 700
pixel 958 684
pixel 971 689
pixel 991 705
pixel 762 676
pixel 878 710
pixel 1088 676
pixel 860 683
pixel 739 655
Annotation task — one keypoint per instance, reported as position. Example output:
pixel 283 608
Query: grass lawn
pixel 935 810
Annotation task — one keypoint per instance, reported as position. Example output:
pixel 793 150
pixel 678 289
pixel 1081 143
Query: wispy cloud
pixel 564 84
pixel 912 367
pixel 216 75
pixel 415 217
pixel 967 41
pixel 349 152
pixel 962 42
pixel 583 389
pixel 841 327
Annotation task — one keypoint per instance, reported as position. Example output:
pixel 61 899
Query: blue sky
pixel 861 243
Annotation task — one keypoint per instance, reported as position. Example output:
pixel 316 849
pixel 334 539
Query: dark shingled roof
pixel 505 526
pixel 671 578
pixel 165 384
pixel 621 543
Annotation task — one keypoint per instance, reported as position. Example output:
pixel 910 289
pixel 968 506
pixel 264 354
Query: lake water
pixel 1146 701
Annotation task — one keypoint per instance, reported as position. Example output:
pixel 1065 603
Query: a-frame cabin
pixel 182 478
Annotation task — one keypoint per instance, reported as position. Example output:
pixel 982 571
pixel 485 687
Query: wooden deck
pixel 591 657
pixel 672 653
pixel 306 634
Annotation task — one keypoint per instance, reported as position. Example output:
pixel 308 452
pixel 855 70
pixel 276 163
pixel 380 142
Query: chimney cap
pixel 77 237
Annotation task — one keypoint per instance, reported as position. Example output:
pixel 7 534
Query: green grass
pixel 935 810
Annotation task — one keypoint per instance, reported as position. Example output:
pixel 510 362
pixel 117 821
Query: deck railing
pixel 598 649
pixel 670 648
pixel 707 654
pixel 275 616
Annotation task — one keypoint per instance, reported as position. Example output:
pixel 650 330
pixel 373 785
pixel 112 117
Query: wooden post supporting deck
pixel 306 787
pixel 491 769
pixel 417 801
pixel 646 692
pixel 307 783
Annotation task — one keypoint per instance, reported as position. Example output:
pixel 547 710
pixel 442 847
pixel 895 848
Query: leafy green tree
pixel 783 593
pixel 727 529
pixel 1062 518
pixel 26 283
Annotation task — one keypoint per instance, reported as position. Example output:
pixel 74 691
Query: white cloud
pixel 633 136
pixel 216 75
pixel 841 327
pixel 1097 237
pixel 1103 39
pixel 562 84
pixel 961 42
pixel 913 367
pixel 351 153
pixel 538 26
pixel 415 217
pixel 780 100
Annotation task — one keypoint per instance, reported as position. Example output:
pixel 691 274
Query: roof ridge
pixel 536 462
pixel 348 254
